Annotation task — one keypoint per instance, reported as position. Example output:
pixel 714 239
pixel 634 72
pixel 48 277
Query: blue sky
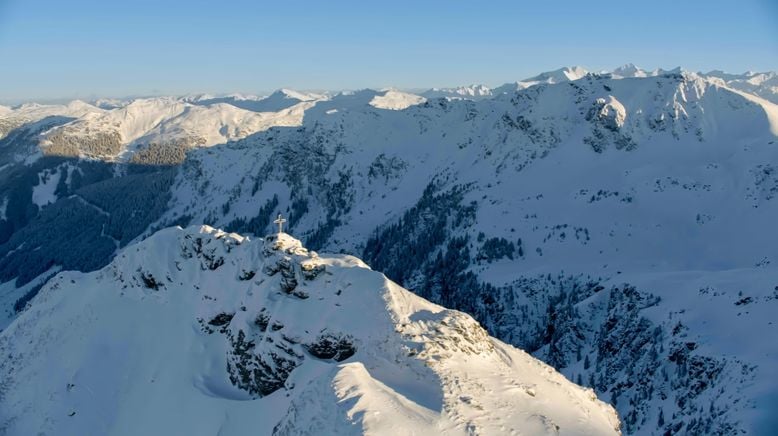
pixel 52 49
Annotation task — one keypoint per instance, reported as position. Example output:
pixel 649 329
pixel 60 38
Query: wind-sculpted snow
pixel 197 331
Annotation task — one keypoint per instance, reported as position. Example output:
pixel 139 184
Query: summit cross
pixel 280 221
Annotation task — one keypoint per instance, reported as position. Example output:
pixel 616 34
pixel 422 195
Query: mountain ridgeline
pixel 262 336
pixel 616 226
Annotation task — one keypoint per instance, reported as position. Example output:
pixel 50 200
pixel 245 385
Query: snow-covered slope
pixel 277 101
pixel 148 130
pixel 566 74
pixel 32 113
pixel 162 122
pixel 601 198
pixel 109 103
pixel 630 70
pixel 479 92
pixel 633 71
pixel 764 85
pixel 618 227
pixel 562 75
pixel 200 332
pixel 21 127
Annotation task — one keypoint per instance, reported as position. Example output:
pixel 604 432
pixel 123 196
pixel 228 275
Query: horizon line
pixel 93 97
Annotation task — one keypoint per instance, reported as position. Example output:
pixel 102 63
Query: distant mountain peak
pixel 296 95
pixel 563 74
pixel 396 100
pixel 629 70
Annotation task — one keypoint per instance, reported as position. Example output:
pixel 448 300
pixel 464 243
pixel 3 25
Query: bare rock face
pixel 259 373
pixel 330 346
pixel 288 275
pixel 263 354
pixel 607 117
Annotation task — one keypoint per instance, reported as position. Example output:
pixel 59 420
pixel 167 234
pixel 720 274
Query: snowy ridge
pixel 630 70
pixel 566 74
pixel 113 130
pixel 31 113
pixel 200 332
pixel 479 92
pixel 541 193
pixel 764 85
pixel 472 92
pixel 618 228
pixel 169 121
pixel 277 101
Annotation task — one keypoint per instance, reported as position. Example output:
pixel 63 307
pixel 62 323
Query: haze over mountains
pixel 617 226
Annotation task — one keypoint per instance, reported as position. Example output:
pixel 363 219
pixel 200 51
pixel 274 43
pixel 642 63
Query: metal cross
pixel 280 221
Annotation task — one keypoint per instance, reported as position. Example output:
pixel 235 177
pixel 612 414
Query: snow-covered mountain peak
pixel 760 78
pixel 629 70
pixel 478 90
pixel 76 105
pixel 531 210
pixel 564 74
pixel 396 100
pixel 109 103
pixel 265 334
pixel 561 75
pixel 295 95
pixel 36 111
pixel 472 92
pixel 764 85
pixel 574 72
pixel 160 130
pixel 277 101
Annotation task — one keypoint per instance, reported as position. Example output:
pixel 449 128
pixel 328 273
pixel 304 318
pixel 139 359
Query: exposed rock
pixel 332 346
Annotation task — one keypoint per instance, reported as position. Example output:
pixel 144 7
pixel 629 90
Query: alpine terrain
pixel 200 332
pixel 618 226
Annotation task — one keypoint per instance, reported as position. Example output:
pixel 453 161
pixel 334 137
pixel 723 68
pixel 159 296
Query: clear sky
pixel 51 49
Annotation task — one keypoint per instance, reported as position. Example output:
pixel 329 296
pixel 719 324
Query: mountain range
pixel 616 225
pixel 198 332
